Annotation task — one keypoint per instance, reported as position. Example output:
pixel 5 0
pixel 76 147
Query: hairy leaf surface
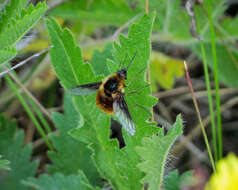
pixel 11 11
pixel 154 152
pixel 13 32
pixel 11 147
pixel 59 181
pixel 70 155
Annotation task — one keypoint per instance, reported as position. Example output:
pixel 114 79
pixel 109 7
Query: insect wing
pixel 121 111
pixel 85 89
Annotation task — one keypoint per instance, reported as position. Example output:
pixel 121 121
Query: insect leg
pixel 135 91
pixel 136 75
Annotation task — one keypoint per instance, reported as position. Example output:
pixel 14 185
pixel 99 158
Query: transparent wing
pixel 85 89
pixel 122 113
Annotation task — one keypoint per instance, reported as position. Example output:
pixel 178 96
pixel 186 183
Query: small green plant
pixel 81 154
pixel 123 168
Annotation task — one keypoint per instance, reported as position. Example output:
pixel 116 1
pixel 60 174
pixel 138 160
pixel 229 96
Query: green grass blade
pixel 208 86
pixel 33 104
pixel 39 115
pixel 213 44
pixel 29 112
pixel 212 115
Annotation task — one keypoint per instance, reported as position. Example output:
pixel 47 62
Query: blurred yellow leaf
pixel 36 45
pixel 164 69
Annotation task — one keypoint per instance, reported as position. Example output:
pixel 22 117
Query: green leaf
pixel 70 155
pixel 67 58
pixel 173 181
pixel 154 152
pixel 7 54
pixel 170 13
pixel 11 11
pixel 97 12
pixel 228 28
pixel 4 164
pixel 118 166
pixel 11 147
pixel 19 26
pixel 100 58
pixel 227 67
pixel 59 182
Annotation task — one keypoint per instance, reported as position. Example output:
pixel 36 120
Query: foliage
pixel 119 166
pixel 169 13
pixel 70 155
pixel 96 12
pixel 164 69
pixel 15 21
pixel 4 164
pixel 173 181
pixel 154 151
pixel 11 11
pixel 7 54
pixel 59 181
pixel 100 58
pixel 11 147
pixel 84 154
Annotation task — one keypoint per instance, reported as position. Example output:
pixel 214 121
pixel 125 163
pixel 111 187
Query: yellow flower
pixel 226 176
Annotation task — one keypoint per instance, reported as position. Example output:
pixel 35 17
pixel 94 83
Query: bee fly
pixel 110 96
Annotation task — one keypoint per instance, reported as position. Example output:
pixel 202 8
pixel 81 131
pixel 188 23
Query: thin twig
pixel 175 91
pixel 124 26
pixel 203 93
pixel 43 110
pixel 6 96
pixel 196 130
pixel 148 68
pixel 55 3
pixel 25 61
pixel 199 118
pixel 147 6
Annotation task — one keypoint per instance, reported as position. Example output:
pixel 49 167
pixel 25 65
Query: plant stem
pixel 218 106
pixel 147 6
pixel 208 87
pixel 199 118
pixel 29 112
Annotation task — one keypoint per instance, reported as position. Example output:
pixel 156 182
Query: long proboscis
pixel 130 62
pixel 25 61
